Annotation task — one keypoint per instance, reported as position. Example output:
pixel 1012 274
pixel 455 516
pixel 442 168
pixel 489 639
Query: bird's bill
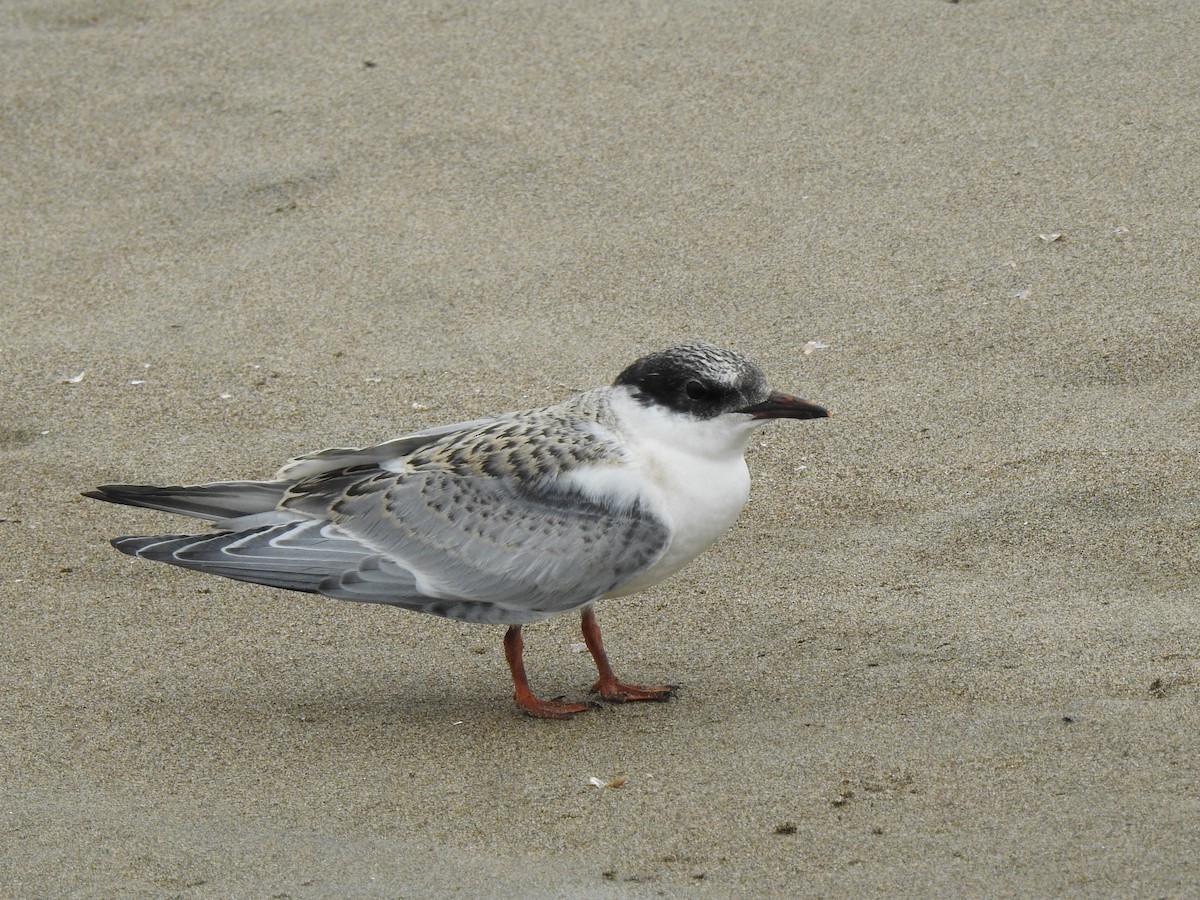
pixel 784 406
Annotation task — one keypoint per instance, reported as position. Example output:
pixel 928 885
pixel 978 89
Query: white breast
pixel 691 472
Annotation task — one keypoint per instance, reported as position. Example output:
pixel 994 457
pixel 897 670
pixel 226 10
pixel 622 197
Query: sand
pixel 950 648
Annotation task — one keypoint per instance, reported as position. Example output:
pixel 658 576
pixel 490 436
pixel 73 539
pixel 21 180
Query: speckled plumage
pixel 532 444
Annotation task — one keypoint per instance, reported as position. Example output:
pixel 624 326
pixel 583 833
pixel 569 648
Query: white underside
pixel 691 472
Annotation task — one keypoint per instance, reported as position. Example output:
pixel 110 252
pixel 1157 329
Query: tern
pixel 505 520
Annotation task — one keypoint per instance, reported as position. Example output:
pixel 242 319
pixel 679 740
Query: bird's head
pixel 703 381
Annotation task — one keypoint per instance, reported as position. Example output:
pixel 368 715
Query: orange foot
pixel 551 709
pixel 619 692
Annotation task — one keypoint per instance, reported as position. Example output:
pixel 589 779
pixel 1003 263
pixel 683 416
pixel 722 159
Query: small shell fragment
pixel 1050 238
pixel 74 379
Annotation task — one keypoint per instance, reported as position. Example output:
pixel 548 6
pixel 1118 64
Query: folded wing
pixel 467 547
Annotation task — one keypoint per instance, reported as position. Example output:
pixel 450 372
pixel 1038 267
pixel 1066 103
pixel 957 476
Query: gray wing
pixel 469 547
pixel 481 548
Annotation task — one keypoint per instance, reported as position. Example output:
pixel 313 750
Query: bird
pixel 506 520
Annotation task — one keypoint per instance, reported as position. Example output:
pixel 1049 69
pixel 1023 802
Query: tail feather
pixel 214 502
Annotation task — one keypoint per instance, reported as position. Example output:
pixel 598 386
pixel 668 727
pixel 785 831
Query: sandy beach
pixel 949 649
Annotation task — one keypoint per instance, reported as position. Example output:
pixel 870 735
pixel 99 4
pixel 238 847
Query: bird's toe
pixel 620 692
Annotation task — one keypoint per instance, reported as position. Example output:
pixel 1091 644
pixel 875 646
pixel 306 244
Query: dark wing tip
pixel 128 494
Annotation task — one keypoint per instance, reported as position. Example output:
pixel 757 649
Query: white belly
pixel 699 497
pixel 690 472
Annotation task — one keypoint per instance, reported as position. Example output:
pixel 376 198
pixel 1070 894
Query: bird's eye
pixel 698 390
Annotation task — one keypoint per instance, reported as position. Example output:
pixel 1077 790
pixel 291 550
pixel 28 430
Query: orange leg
pixel 607 686
pixel 531 704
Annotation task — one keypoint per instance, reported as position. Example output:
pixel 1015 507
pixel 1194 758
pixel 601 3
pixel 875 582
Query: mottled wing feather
pixel 472 548
pixel 336 458
pixel 469 521
pixel 481 548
